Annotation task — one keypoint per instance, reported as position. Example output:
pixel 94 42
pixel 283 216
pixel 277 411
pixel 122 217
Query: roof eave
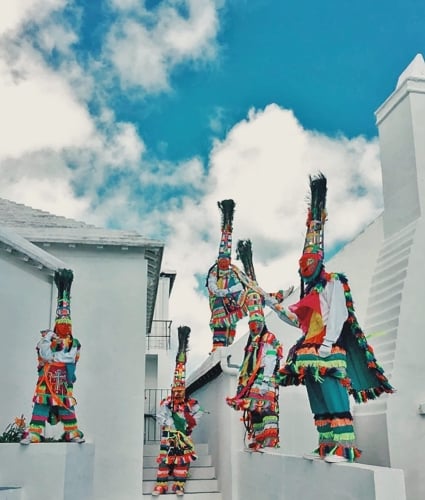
pixel 154 257
pixel 26 251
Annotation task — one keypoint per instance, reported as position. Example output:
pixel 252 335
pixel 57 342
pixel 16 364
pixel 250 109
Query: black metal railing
pixel 153 398
pixel 160 335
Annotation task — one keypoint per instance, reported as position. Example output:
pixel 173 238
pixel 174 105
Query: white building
pixel 116 277
pixel 160 356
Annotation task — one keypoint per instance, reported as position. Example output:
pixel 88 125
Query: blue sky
pixel 143 114
pixel 329 61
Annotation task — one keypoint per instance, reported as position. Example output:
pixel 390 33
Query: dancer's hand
pixel 325 349
pixel 264 387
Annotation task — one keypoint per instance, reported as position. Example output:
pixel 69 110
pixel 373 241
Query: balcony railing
pixel 153 398
pixel 160 335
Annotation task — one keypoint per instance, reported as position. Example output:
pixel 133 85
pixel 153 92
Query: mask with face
pixel 310 265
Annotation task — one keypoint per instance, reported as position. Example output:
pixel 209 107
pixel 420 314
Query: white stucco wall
pixel 401 121
pixel 151 371
pixel 25 304
pixel 162 299
pixel 358 261
pixel 162 361
pixel 30 469
pixel 108 310
pixel 221 428
pixel 401 124
pixel 281 477
pixel 406 424
pixel 109 317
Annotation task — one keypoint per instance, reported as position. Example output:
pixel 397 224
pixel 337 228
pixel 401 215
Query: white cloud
pixel 122 148
pixel 137 57
pixel 146 50
pixel 39 108
pixel 45 127
pixel 127 5
pixel 216 120
pixel 42 180
pixel 191 36
pixel 57 36
pixel 17 12
pixel 187 173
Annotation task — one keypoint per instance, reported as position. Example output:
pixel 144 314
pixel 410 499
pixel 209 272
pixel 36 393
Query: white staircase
pixel 201 483
pixel 385 299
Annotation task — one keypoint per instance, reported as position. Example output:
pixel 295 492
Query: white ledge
pixel 273 475
pixel 63 471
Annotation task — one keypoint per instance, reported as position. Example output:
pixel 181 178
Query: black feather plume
pixel 318 190
pixel 183 336
pixel 244 254
pixel 63 280
pixel 227 208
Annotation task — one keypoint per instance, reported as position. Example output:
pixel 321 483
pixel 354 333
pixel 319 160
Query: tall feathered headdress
pixel 254 300
pixel 244 254
pixel 179 381
pixel 311 261
pixel 316 217
pixel 63 279
pixel 227 208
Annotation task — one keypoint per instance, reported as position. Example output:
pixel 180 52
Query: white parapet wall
pixel 48 471
pixel 275 476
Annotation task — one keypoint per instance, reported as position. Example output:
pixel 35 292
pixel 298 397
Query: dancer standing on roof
pixel 58 353
pixel 226 292
pixel 332 358
pixel 257 393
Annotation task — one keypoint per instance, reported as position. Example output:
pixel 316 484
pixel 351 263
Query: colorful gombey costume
pixel 58 353
pixel 332 358
pixel 226 292
pixel 228 285
pixel 257 392
pixel 177 416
